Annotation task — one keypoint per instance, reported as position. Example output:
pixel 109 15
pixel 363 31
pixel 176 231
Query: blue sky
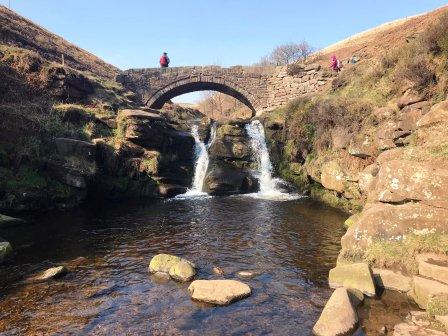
pixel 133 33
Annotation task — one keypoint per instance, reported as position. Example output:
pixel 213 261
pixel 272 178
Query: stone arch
pixel 201 83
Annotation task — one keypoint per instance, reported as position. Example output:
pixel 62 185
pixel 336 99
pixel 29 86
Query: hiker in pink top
pixel 335 64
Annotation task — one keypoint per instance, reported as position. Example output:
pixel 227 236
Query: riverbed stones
pixel 51 273
pixel 426 290
pixel 357 276
pixel 5 250
pixel 338 316
pixel 392 280
pixel 182 271
pixel 178 268
pixel 433 266
pixel 218 292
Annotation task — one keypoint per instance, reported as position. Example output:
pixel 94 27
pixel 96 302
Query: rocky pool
pixel 107 248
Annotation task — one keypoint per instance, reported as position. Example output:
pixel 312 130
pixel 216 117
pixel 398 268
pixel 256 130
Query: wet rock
pixel 433 266
pixel 338 317
pixel 218 271
pixel 426 290
pixel 5 250
pixel 392 280
pixel 332 176
pixel 182 271
pixel 218 292
pixel 51 273
pixel 354 276
pixel 247 274
pixel 228 181
pixel 161 277
pixel 437 114
pixel 178 268
pixel 171 190
pixel 403 180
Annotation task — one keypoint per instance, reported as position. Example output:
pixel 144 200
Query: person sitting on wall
pixel 164 60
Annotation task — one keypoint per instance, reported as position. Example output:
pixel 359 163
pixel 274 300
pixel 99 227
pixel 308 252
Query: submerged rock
pixel 218 292
pixel 338 317
pixel 5 250
pixel 178 268
pixel 356 276
pixel 51 273
pixel 218 271
pixel 247 274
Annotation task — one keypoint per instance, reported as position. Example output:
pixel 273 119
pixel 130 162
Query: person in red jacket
pixel 164 60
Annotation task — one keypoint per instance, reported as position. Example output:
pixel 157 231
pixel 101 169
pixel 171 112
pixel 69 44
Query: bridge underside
pixel 160 98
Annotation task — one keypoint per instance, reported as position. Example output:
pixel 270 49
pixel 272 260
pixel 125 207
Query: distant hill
pixel 18 31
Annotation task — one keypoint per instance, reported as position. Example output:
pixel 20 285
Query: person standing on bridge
pixel 164 60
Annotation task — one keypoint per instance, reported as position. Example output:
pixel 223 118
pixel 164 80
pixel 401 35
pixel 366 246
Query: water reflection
pixel 292 244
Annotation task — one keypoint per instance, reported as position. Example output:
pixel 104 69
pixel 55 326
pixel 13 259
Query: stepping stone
pixel 355 276
pixel 182 271
pixel 426 290
pixel 392 280
pixel 433 266
pixel 218 292
pixel 338 317
pixel 178 268
pixel 51 273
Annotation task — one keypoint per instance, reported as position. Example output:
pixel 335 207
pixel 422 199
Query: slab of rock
pixel 51 273
pixel 338 317
pixel 178 268
pixel 182 271
pixel 443 320
pixel 332 176
pixel 426 290
pixel 218 292
pixel 73 147
pixel 409 98
pixel 433 266
pixel 403 180
pixel 140 114
pixel 393 222
pixel 437 114
pixel 356 276
pixel 5 250
pixel 392 280
pixel 247 274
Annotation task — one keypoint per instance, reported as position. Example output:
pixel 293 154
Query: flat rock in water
pixel 219 292
pixel 433 266
pixel 356 276
pixel 178 268
pixel 247 274
pixel 338 317
pixel 52 273
pixel 392 280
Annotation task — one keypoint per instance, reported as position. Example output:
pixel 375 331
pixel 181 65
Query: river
pixel 291 244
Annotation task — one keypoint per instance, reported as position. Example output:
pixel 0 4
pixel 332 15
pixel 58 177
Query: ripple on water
pixel 291 245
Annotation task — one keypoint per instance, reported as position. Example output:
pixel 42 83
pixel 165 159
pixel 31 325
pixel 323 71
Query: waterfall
pixel 268 185
pixel 201 160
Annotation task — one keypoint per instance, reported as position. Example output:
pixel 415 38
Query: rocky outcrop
pixel 218 292
pixel 231 160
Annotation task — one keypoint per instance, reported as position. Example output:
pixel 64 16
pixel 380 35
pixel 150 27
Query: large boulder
pixel 231 148
pixel 228 181
pixel 393 222
pixel 73 147
pixel 339 317
pixel 437 114
pixel 426 290
pixel 218 292
pixel 332 176
pixel 402 180
pixel 354 276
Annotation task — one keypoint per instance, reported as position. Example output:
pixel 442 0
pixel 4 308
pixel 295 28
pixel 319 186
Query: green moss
pixel 401 254
pixel 26 178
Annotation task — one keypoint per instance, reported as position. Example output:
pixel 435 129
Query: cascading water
pixel 268 185
pixel 202 159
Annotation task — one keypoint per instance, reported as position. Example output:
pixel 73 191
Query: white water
pixel 201 164
pixel 268 186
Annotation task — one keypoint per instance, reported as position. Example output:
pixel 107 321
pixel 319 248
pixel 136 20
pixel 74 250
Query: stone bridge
pixel 259 88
